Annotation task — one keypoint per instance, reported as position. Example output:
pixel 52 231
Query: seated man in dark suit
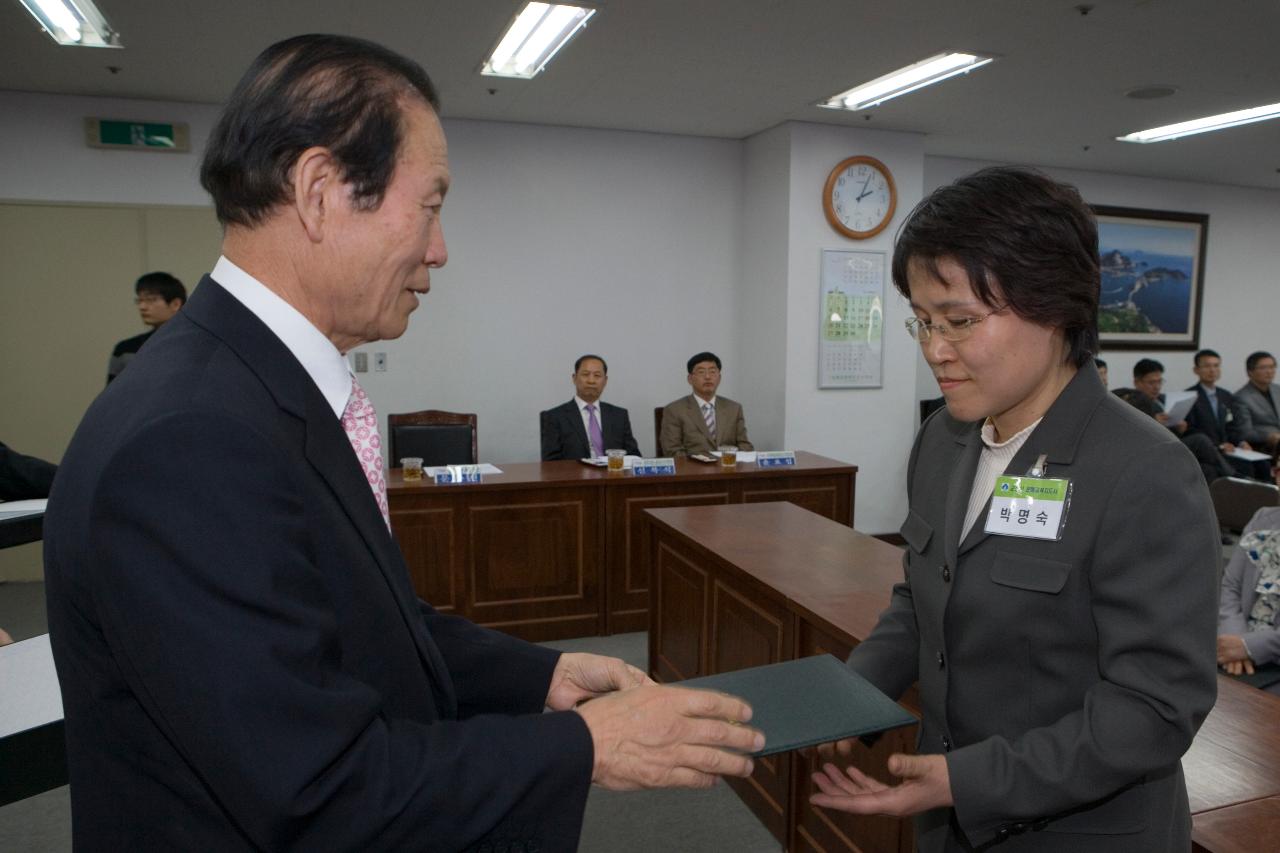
pixel 1261 397
pixel 701 422
pixel 584 426
pixel 1218 415
pixel 1146 397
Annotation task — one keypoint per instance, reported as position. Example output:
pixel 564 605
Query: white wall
pixel 561 241
pixel 1241 303
pixel 871 427
pixel 45 157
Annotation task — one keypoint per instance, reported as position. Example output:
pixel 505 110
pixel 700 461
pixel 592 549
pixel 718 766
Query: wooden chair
pixel 440 438
pixel 657 430
pixel 1235 500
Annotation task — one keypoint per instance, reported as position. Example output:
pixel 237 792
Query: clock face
pixel 860 197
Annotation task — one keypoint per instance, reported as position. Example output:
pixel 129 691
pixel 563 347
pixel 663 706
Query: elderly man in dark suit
pixel 586 425
pixel 244 664
pixel 1260 396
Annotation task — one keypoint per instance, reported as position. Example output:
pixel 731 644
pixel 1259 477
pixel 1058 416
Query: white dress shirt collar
pixel 701 402
pixel 318 356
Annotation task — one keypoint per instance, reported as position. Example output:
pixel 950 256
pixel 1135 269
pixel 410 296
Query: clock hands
pixel 864 192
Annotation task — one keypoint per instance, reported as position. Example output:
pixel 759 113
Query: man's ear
pixel 317 188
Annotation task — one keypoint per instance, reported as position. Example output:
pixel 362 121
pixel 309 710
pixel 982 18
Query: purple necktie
pixel 597 437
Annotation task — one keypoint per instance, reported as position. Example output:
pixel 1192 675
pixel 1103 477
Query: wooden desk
pixel 553 550
pixel 739 586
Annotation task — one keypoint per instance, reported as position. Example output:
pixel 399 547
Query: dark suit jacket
pixel 564 436
pixel 684 430
pixel 243 662
pixel 1063 680
pixel 22 476
pixel 1230 424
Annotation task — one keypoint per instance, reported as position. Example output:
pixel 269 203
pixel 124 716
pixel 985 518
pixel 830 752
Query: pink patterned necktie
pixel 361 424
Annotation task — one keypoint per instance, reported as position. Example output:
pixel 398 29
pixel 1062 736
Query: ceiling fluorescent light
pixel 1204 125
pixel 73 22
pixel 926 72
pixel 534 37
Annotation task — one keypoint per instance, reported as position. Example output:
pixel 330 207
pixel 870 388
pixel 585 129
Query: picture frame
pixel 1152 277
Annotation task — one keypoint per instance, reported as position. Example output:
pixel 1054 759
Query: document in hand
pixel 803 702
pixel 1177 405
pixel 1239 453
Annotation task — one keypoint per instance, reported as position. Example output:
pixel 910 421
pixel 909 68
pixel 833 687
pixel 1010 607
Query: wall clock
pixel 859 197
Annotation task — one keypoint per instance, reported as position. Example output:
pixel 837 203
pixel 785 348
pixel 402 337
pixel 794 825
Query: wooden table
pixel 739 586
pixel 553 550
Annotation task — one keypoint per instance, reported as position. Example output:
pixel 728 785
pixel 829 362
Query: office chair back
pixel 1235 500
pixel 440 438
pixel 657 430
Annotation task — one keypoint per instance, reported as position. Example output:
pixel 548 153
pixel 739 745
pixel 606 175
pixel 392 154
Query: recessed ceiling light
pixel 1203 125
pixel 535 36
pixel 77 23
pixel 926 72
pixel 1150 93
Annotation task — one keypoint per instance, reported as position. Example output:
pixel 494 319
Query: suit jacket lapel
pixel 1057 437
pixel 326 447
pixel 574 415
pixel 959 488
pixel 701 421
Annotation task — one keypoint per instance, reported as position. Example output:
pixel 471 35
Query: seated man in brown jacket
pixel 701 422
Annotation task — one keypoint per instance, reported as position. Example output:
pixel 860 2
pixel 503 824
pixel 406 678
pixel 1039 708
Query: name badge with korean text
pixel 655 466
pixel 458 474
pixel 775 458
pixel 1029 507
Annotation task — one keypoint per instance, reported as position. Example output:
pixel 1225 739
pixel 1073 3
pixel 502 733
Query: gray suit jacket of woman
pixel 1063 680
pixel 1240 591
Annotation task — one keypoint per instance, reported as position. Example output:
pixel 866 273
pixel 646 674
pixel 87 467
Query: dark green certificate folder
pixel 803 702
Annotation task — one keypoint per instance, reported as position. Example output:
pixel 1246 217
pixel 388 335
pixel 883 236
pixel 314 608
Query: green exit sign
pixel 137 135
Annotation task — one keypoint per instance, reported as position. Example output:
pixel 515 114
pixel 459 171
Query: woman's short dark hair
pixel 342 93
pixel 1025 241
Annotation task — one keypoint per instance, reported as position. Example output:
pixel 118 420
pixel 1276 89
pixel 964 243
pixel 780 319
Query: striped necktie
pixel 709 415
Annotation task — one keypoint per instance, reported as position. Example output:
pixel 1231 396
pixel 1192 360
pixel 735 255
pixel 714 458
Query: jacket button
pixel 946 743
pixel 946 573
pixel 1003 833
pixel 942 661
pixel 1018 828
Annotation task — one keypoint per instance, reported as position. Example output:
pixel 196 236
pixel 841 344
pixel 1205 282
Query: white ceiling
pixel 732 68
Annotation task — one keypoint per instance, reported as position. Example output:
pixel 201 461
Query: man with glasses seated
pixel 158 296
pixel 702 422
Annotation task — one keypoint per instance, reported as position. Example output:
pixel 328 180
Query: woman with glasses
pixel 1055 612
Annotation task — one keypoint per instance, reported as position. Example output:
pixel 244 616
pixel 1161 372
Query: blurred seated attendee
pixel 585 426
pixel 1261 397
pixel 24 477
pixel 1217 414
pixel 1249 608
pixel 1147 397
pixel 158 296
pixel 1102 371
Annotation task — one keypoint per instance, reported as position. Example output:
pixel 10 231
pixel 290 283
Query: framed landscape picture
pixel 1152 277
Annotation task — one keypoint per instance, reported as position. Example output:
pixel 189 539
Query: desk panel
pixel 791 580
pixel 552 550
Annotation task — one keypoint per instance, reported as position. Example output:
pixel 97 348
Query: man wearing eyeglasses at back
pixel 702 422
pixel 158 296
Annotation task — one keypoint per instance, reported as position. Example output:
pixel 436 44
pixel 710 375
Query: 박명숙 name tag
pixel 775 458
pixel 1032 507
pixel 651 467
pixel 454 474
